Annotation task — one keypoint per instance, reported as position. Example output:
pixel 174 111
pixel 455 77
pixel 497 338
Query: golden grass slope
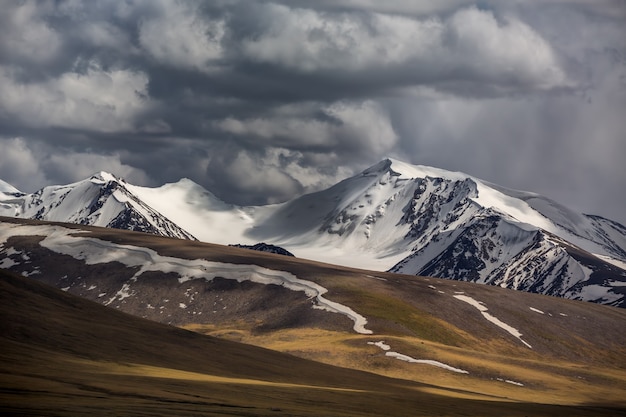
pixel 64 356
pixel 576 366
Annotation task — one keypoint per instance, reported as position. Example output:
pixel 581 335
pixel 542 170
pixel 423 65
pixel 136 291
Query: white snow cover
pixel 5 187
pixel 483 310
pixel 409 359
pixel 96 251
pixel 597 292
pixel 199 212
pixel 382 345
pixel 612 260
pixel 510 381
pixel 7 263
pixel 354 223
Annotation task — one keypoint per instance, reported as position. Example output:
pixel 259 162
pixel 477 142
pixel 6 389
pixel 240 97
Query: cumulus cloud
pixel 249 173
pixel 263 100
pixel 271 175
pixel 75 166
pixel 31 166
pixel 567 147
pixel 96 99
pixel 470 46
pixel 178 35
pixel 340 125
pixel 507 52
pixel 37 45
pixel 19 166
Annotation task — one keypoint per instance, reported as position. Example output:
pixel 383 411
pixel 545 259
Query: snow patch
pixel 123 293
pixel 509 381
pixel 409 359
pixel 378 278
pixel 598 293
pixel 11 251
pixel 382 345
pixel 481 307
pixel 7 263
pixel 611 260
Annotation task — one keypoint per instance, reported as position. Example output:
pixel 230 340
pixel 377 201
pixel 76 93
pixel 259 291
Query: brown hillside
pixel 577 355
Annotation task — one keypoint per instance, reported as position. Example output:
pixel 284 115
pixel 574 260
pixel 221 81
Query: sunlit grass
pixel 544 381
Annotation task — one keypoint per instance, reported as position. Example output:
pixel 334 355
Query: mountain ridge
pixel 392 216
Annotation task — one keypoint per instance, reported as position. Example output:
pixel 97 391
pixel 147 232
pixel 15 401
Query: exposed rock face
pixel 264 247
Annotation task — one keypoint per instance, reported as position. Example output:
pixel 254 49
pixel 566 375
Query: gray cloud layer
pixel 260 101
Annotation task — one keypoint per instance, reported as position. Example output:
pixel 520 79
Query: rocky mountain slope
pixel 102 200
pixel 393 216
pixel 462 341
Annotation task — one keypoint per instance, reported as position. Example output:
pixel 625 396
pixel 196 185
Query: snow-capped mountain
pixel 8 189
pixel 451 225
pixel 102 200
pixel 392 216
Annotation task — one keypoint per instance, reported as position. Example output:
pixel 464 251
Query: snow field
pixel 96 251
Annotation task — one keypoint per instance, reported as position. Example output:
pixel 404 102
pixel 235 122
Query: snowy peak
pixel 428 221
pixel 7 188
pixel 190 192
pixel 409 171
pixel 391 216
pixel 198 211
pixel 529 209
pixel 102 177
pixel 101 200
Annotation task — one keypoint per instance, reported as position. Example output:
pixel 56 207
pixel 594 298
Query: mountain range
pixel 393 216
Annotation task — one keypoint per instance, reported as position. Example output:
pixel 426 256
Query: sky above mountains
pixel 261 101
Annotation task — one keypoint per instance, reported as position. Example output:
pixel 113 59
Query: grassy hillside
pixel 63 355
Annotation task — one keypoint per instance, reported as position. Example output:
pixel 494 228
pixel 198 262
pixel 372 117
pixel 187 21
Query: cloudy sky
pixel 260 101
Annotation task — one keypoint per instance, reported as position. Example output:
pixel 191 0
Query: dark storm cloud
pixel 260 101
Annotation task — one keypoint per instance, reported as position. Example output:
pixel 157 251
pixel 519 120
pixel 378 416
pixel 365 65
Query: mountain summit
pixel 392 216
pixel 101 200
